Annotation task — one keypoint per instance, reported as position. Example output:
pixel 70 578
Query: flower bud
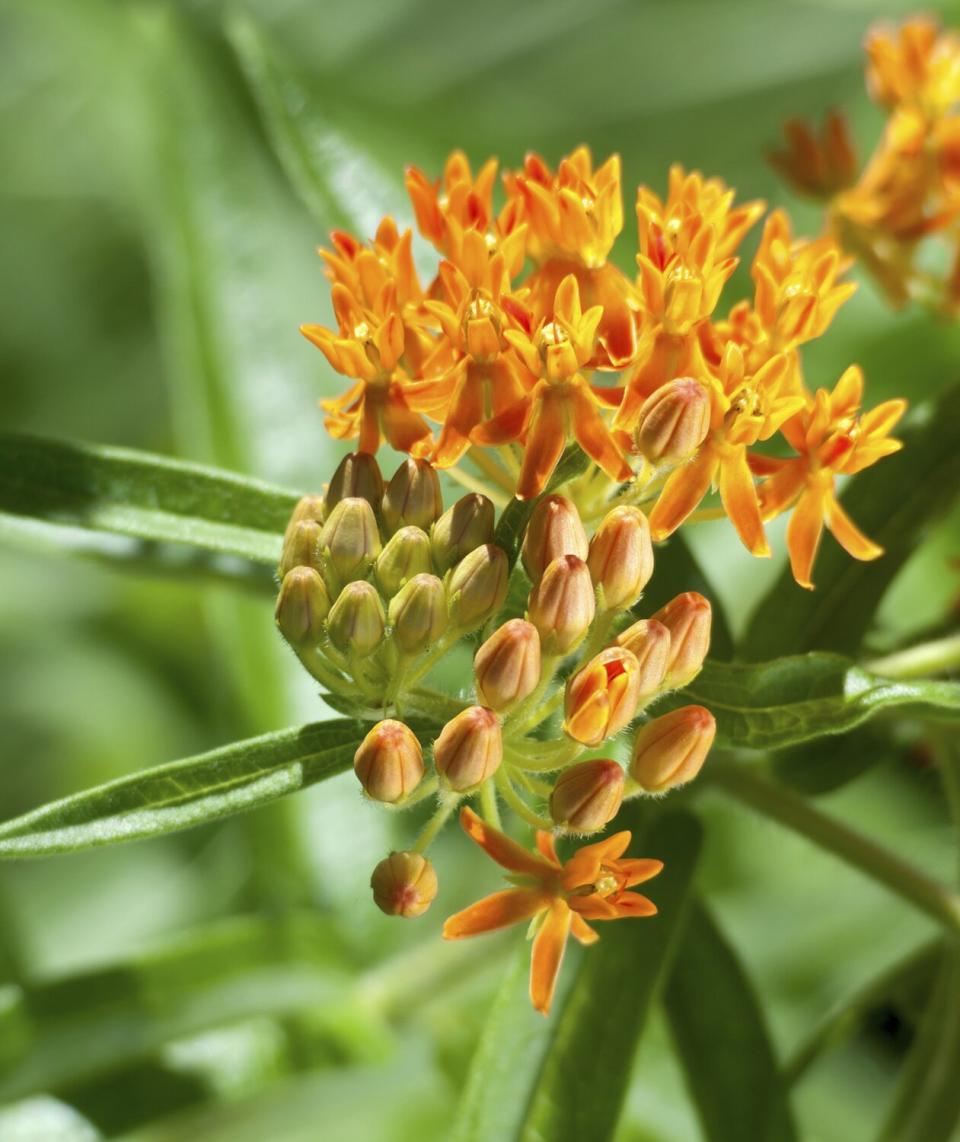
pixel 461 529
pixel 350 541
pixel 587 796
pixel 670 750
pixel 357 477
pixel 650 643
pixel 562 605
pixel 673 421
pixel 621 557
pixel 308 508
pixel 404 884
pixel 469 749
pixel 507 666
pixel 413 496
pixel 418 613
pixel 477 586
pixel 405 554
pixel 554 529
pixel 389 762
pixel 602 697
pixel 687 618
pixel 301 547
pixel 357 622
pixel 302 605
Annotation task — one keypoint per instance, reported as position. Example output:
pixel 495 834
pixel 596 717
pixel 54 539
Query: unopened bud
pixel 350 541
pixel 405 554
pixel 670 750
pixel 507 666
pixel 469 749
pixel 389 762
pixel 308 508
pixel 673 421
pixel 301 547
pixel 461 529
pixel 404 884
pixel 602 697
pixel 587 796
pixel 302 605
pixel 687 618
pixel 413 496
pixel 621 557
pixel 357 477
pixel 554 529
pixel 650 643
pixel 418 613
pixel 357 622
pixel 562 605
pixel 477 586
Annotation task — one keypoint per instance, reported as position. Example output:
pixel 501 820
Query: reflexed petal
pixel 581 930
pixel 848 535
pixel 548 948
pixel 546 440
pixel 682 493
pixel 503 850
pixel 500 910
pixel 739 498
pixel 594 437
pixel 547 848
pixel 803 533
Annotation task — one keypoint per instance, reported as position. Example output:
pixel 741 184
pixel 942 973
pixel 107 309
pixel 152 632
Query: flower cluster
pixel 909 190
pixel 530 338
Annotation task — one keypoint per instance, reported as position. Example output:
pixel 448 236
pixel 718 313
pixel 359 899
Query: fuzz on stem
pixel 448 803
pixel 517 803
pixel 488 803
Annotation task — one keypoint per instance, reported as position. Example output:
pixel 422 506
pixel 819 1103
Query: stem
pixel 488 803
pixel 517 803
pixel 421 793
pixel 562 754
pixel 516 719
pixel 492 470
pixel 473 484
pixel 317 667
pixel 934 657
pixel 426 663
pixel 784 806
pixel 448 802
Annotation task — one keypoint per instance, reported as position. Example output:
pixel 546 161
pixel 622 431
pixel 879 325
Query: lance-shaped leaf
pixel 184 793
pixel 715 1015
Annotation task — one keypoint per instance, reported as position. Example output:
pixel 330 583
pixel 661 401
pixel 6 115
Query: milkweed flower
pixel 559 897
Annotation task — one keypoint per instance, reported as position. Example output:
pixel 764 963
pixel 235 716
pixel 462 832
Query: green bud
pixel 418 613
pixel 357 623
pixel 461 529
pixel 308 508
pixel 405 554
pixel 302 605
pixel 413 496
pixel 477 586
pixel 357 477
pixel 301 547
pixel 350 541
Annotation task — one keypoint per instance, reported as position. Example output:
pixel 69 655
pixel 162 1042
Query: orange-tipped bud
pixel 389 762
pixel 587 796
pixel 621 557
pixel 670 750
pixel 301 547
pixel 507 666
pixel 308 508
pixel 650 643
pixel 687 618
pixel 602 697
pixel 357 623
pixel 357 477
pixel 477 586
pixel 350 541
pixel 404 884
pixel 562 605
pixel 469 749
pixel 554 529
pixel 302 605
pixel 418 613
pixel 461 529
pixel 404 555
pixel 673 421
pixel 413 496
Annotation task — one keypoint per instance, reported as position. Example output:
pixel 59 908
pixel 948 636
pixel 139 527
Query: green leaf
pixel 769 705
pixel 895 504
pixel 715 1015
pixel 826 764
pixel 565 1077
pixel 185 793
pixel 158 512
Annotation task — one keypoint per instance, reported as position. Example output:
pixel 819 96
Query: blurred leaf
pixel 184 793
pixel 895 504
pixel 715 1015
pixel 566 1077
pixel 677 570
pixel 769 705
pixel 826 764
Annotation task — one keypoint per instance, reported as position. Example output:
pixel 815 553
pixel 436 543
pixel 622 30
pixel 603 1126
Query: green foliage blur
pixel 157 253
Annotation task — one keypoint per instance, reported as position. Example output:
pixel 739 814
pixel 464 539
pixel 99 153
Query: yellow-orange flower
pixel 561 897
pixel 365 271
pixel 915 63
pixel 458 198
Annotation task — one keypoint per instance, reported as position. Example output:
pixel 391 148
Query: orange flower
pixel 560 404
pixel 458 198
pixel 916 63
pixel 365 271
pixel 832 438
pixel 818 166
pixel 559 897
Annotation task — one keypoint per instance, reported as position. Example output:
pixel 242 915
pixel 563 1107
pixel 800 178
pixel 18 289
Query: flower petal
pixel 546 440
pixel 848 535
pixel 682 493
pixel 501 848
pixel 581 930
pixel 499 910
pixel 803 533
pixel 739 498
pixel 548 948
pixel 639 870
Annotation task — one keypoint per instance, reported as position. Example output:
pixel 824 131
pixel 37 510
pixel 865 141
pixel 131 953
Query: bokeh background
pixel 156 256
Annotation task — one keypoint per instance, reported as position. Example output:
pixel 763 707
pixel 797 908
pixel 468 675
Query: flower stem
pixel 488 803
pixel 934 657
pixel 517 803
pixel 474 484
pixel 448 802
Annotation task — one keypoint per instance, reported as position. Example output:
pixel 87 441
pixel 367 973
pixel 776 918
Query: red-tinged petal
pixel 506 426
pixel 803 533
pixel 639 870
pixel 594 907
pixel 633 904
pixel 499 910
pixel 547 956
pixel 594 437
pixel 502 849
pixel 848 535
pixel 778 492
pixel 546 440
pixel 581 930
pixel 739 498
pixel 402 427
pixel 683 492
pixel 546 847
pixel 609 397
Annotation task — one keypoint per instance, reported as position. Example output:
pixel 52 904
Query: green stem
pixel 786 807
pixel 448 802
pixel 426 789
pixel 473 484
pixel 492 470
pixel 430 659
pixel 562 753
pixel 934 657
pixel 317 667
pixel 517 803
pixel 488 803
pixel 515 723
